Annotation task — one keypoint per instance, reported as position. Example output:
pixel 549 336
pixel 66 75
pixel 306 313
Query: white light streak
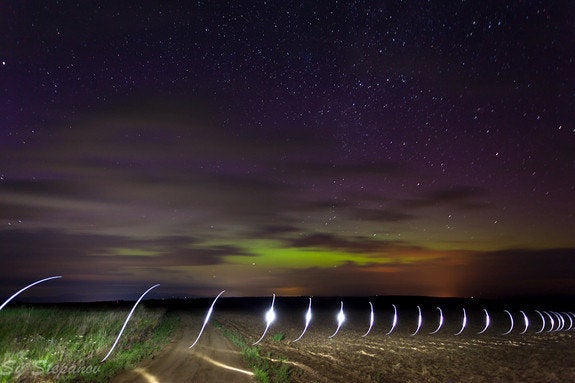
pixel 551 320
pixel 573 315
pixel 419 321
pixel 371 320
pixel 526 322
pixel 487 322
pixel 440 321
pixel 560 321
pixel 570 321
pixel 222 365
pixel 307 321
pixel 126 322
pixel 207 319
pixel 340 320
pixel 511 318
pixel 463 322
pixel 146 375
pixel 394 320
pixel 542 322
pixel 27 287
pixel 270 317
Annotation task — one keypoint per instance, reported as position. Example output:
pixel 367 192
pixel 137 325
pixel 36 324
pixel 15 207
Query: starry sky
pixel 297 148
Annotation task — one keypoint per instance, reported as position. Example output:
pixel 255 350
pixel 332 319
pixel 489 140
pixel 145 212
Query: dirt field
pixel 213 359
pixel 399 357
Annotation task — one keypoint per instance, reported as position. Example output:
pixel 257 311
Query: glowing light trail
pixel 270 317
pixel 371 320
pixel 542 321
pixel 526 322
pixel 394 320
pixel 146 375
pixel 463 323
pixel 487 322
pixel 222 365
pixel 419 321
pixel 560 321
pixel 207 319
pixel 573 315
pixel 126 322
pixel 563 321
pixel 511 318
pixel 340 320
pixel 27 287
pixel 551 320
pixel 570 321
pixel 440 321
pixel 307 321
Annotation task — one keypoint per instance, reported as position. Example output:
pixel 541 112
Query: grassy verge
pixel 67 344
pixel 266 369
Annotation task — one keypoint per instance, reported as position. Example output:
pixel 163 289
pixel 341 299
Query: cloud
pixel 461 197
pixel 354 168
pixel 381 215
pixel 27 255
pixel 353 244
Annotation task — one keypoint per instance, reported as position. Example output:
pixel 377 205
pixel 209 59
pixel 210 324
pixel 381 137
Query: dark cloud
pixel 336 167
pixel 461 197
pixel 267 231
pixel 381 215
pixel 89 256
pixel 538 263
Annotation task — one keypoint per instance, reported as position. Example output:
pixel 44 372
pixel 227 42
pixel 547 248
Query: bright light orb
pixel 340 319
pixel 270 318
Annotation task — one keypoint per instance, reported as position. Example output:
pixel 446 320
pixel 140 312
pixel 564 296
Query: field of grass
pixel 62 344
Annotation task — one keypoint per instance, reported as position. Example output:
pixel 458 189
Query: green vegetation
pixel 67 344
pixel 278 337
pixel 266 369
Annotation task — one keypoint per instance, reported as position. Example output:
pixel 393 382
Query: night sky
pixel 297 148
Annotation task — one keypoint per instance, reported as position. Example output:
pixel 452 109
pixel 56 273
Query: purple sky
pixel 297 148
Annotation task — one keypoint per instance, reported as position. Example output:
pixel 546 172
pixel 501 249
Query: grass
pixel 278 337
pixel 265 368
pixel 67 344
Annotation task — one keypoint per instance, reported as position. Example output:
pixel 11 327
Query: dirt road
pixel 213 359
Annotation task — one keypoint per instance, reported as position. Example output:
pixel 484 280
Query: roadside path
pixel 213 359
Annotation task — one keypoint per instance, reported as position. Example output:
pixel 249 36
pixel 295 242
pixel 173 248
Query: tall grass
pixel 67 344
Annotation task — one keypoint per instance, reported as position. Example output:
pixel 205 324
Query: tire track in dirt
pixel 213 359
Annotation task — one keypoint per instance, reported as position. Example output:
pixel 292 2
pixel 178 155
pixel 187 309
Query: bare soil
pixel 399 357
pixel 213 359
